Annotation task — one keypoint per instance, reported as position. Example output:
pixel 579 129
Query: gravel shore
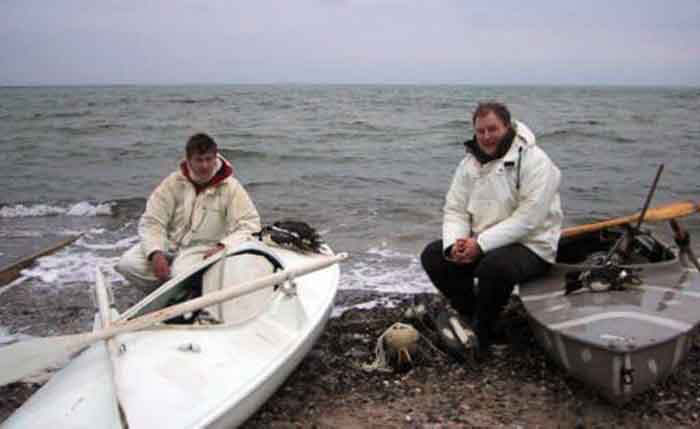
pixel 517 387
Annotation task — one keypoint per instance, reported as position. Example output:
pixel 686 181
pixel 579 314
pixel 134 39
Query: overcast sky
pixel 635 42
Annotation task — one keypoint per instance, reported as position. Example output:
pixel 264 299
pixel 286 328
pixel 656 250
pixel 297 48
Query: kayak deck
pixel 190 375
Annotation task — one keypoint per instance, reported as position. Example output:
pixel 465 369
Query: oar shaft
pixel 654 214
pixel 647 201
pixel 216 297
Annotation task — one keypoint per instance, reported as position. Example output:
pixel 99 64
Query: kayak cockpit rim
pixel 163 295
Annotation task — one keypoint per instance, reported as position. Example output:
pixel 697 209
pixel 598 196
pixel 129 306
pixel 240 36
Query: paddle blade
pixel 25 358
pixel 671 211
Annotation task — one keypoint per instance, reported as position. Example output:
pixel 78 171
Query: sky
pixel 509 42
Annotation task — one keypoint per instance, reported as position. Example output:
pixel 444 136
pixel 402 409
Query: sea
pixel 367 166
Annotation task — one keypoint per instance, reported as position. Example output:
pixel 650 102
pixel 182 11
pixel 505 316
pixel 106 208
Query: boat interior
pixel 621 245
pixel 236 268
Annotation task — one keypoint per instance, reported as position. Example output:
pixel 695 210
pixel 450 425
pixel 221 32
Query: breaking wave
pixel 82 208
pixel 382 269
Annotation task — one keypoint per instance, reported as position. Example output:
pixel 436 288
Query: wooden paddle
pixel 654 214
pixel 11 271
pixel 21 359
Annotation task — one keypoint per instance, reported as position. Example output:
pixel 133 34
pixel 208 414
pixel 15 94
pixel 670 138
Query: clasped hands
pixel 465 250
pixel 161 266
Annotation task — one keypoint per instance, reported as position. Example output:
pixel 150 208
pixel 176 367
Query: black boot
pixel 483 336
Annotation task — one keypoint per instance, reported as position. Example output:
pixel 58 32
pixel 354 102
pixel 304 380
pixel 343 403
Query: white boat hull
pixel 189 376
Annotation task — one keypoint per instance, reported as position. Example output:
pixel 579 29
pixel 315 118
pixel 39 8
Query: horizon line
pixel 292 83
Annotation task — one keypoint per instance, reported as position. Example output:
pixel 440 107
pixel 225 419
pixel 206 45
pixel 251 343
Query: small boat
pixel 214 368
pixel 618 310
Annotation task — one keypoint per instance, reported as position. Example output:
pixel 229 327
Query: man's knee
pixel 130 262
pixel 510 264
pixel 122 266
pixel 494 269
pixel 134 267
pixel 432 258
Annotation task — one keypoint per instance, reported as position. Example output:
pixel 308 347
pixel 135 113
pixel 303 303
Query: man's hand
pixel 472 250
pixel 218 248
pixel 465 251
pixel 457 250
pixel 160 265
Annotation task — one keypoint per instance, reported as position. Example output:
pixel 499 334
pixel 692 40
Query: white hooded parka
pixel 178 217
pixel 512 199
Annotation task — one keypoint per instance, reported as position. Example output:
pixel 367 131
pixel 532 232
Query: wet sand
pixel 517 387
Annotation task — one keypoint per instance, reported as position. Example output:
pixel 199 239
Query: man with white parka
pixel 502 220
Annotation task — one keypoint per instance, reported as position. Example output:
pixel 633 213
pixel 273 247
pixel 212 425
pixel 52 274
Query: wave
pixel 82 208
pixel 455 123
pixel 128 208
pixel 62 115
pixel 110 126
pixel 121 244
pixel 585 122
pixel 338 135
pixel 259 134
pixel 447 105
pixel 643 119
pixel 382 269
pixel 196 100
pixel 235 155
pixel 239 135
pixel 261 184
pixel 361 125
pixel 14 233
pixel 348 181
pixel 685 95
pixel 573 133
pixel 238 154
pixel 557 133
pixel 67 268
pixel 325 182
pixel 339 158
pixel 276 104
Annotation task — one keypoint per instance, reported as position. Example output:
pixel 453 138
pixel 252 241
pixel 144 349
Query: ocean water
pixel 368 166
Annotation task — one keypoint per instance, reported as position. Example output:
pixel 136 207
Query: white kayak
pixel 202 374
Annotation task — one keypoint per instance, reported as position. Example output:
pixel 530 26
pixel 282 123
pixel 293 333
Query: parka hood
pixel 225 171
pixel 523 133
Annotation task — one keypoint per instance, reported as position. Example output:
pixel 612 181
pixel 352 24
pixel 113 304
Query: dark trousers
pixel 497 271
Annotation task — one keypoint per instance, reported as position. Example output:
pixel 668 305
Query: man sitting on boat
pixel 502 220
pixel 197 211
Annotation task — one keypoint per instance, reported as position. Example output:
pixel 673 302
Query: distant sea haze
pixel 368 166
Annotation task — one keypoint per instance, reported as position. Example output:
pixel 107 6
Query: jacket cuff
pixel 483 244
pixel 149 248
pixel 149 257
